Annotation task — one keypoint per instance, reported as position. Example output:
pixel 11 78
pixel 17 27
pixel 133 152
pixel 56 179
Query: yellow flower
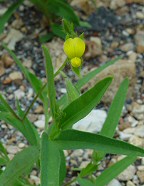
pixel 74 47
pixel 76 62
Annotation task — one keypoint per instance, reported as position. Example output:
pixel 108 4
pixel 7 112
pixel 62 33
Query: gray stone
pixel 130 183
pixel 12 149
pixel 19 94
pixel 93 122
pixel 114 182
pixel 40 124
pixel 139 39
pixel 116 4
pixel 127 174
pixel 127 47
pixel 137 141
pixel 12 38
pixel 15 75
pixel 139 131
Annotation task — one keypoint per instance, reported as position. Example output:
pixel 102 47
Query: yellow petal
pixel 76 62
pixel 74 47
pixel 69 48
pixel 79 46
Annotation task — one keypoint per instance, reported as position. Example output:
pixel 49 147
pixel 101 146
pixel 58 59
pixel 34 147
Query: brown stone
pixel 86 6
pixel 39 110
pixel 139 39
pixel 120 70
pixel 7 81
pixel 94 47
pixel 7 60
pixel 2 69
pixel 141 176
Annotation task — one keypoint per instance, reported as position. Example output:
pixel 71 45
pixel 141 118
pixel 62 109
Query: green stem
pixel 34 100
pixel 61 68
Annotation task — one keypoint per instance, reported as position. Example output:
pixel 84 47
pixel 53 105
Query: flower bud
pixel 76 62
pixel 74 47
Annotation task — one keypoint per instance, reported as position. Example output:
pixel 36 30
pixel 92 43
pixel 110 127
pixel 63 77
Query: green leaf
pixel 25 127
pixel 34 81
pixel 80 107
pixel 7 15
pixel 115 110
pixel 62 171
pixel 10 119
pixel 73 139
pixel 50 79
pixel 8 108
pixel 114 170
pixel 114 113
pixel 22 162
pixel 46 38
pixel 29 131
pixel 57 30
pixel 72 92
pixel 3 161
pixel 89 169
pixel 85 24
pixel 63 101
pixel 3 150
pixel 62 9
pixel 50 162
pixel 84 182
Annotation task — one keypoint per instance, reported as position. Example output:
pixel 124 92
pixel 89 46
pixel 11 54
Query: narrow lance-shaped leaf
pixel 62 9
pixel 72 92
pixel 50 162
pixel 80 107
pixel 84 182
pixel 50 80
pixel 3 150
pixel 115 110
pixel 62 170
pixel 110 124
pixel 57 30
pixel 114 113
pixel 8 108
pixel 73 139
pixel 29 131
pixel 34 81
pixel 26 128
pixel 22 162
pixel 6 16
pixel 113 171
